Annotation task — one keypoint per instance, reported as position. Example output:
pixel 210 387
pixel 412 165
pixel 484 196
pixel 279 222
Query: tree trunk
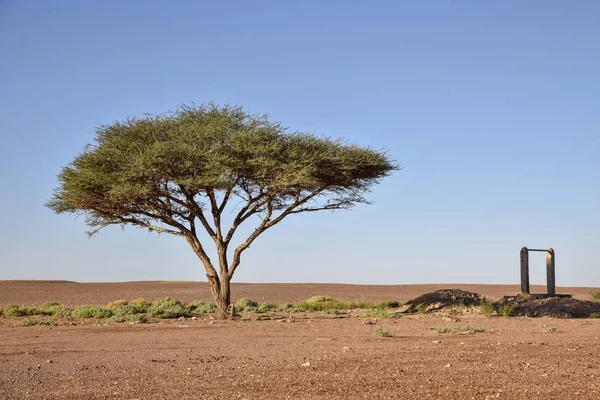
pixel 221 293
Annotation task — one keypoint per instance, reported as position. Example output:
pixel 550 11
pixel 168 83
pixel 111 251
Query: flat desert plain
pixel 300 356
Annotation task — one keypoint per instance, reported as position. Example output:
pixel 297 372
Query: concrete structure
pixel 550 273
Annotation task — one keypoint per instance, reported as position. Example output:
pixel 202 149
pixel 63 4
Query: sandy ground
pixel 515 358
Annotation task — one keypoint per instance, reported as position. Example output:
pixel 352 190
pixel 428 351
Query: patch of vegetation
pixel 201 307
pixel 594 294
pixel 32 322
pixel 135 318
pixel 381 313
pixel 139 306
pixel 382 332
pixel 421 308
pixel 13 310
pixel 88 311
pixel 325 303
pixel 53 308
pixel 388 304
pixel 168 308
pixel 244 304
pixel 506 310
pixel 547 328
pixel 1 310
pixel 488 308
pixel 594 315
pixel 447 329
pixel 264 307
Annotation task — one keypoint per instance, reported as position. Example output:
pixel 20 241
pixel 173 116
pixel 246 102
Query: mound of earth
pixel 443 298
pixel 558 307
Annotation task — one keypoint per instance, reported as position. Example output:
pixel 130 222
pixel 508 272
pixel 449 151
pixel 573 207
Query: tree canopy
pixel 178 172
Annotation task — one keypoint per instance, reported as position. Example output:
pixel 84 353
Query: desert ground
pixel 299 356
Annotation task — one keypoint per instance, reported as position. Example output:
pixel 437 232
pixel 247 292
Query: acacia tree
pixel 183 171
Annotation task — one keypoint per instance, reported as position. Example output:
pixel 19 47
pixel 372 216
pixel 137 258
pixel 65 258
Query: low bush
pixel 201 307
pixel 168 308
pixel 264 307
pixel 136 318
pixel 88 311
pixel 422 308
pixel 325 303
pixel 506 310
pixel 53 308
pixel 139 306
pixel 594 294
pixel 388 304
pixel 488 308
pixel 382 332
pixel 13 310
pixel 245 304
pixel 594 315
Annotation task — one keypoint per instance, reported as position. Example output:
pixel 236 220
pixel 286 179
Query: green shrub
pixel 388 304
pixel 245 303
pixel 488 308
pixel 382 332
pixel 320 299
pixel 595 294
pixel 506 310
pixel 1 310
pixel 137 318
pixel 32 322
pixel 443 329
pixel 422 308
pixel 87 311
pixel 264 307
pixel 168 308
pixel 594 315
pixel 139 306
pixel 117 304
pixel 201 307
pixel 53 308
pixel 13 310
pixel 473 329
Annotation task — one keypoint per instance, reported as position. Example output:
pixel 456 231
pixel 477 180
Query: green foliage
pixel 1 310
pixel 447 329
pixel 506 310
pixel 53 308
pixel 244 304
pixel 168 308
pixel 388 304
pixel 264 307
pixel 594 294
pixel 382 332
pixel 594 315
pixel 117 304
pixel 422 308
pixel 13 310
pixel 576 313
pixel 201 307
pixel 488 308
pixel 196 150
pixel 325 303
pixel 88 311
pixel 32 322
pixel 380 313
pixel 135 318
pixel 550 329
pixel 139 306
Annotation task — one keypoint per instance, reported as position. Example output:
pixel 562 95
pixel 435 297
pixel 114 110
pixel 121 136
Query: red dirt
pixel 515 358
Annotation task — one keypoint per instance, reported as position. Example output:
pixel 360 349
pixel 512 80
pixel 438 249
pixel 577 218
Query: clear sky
pixel 491 107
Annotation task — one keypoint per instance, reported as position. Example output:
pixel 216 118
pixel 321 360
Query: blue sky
pixel 492 108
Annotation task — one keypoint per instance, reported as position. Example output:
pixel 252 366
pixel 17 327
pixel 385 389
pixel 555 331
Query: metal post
pixel 550 271
pixel 525 271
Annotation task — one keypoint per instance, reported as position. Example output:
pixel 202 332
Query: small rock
pixel 48 361
pixel 436 341
pixel 306 364
pixel 447 366
pixel 369 323
pixel 451 319
pixel 194 318
pixel 345 348
pixel 181 318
